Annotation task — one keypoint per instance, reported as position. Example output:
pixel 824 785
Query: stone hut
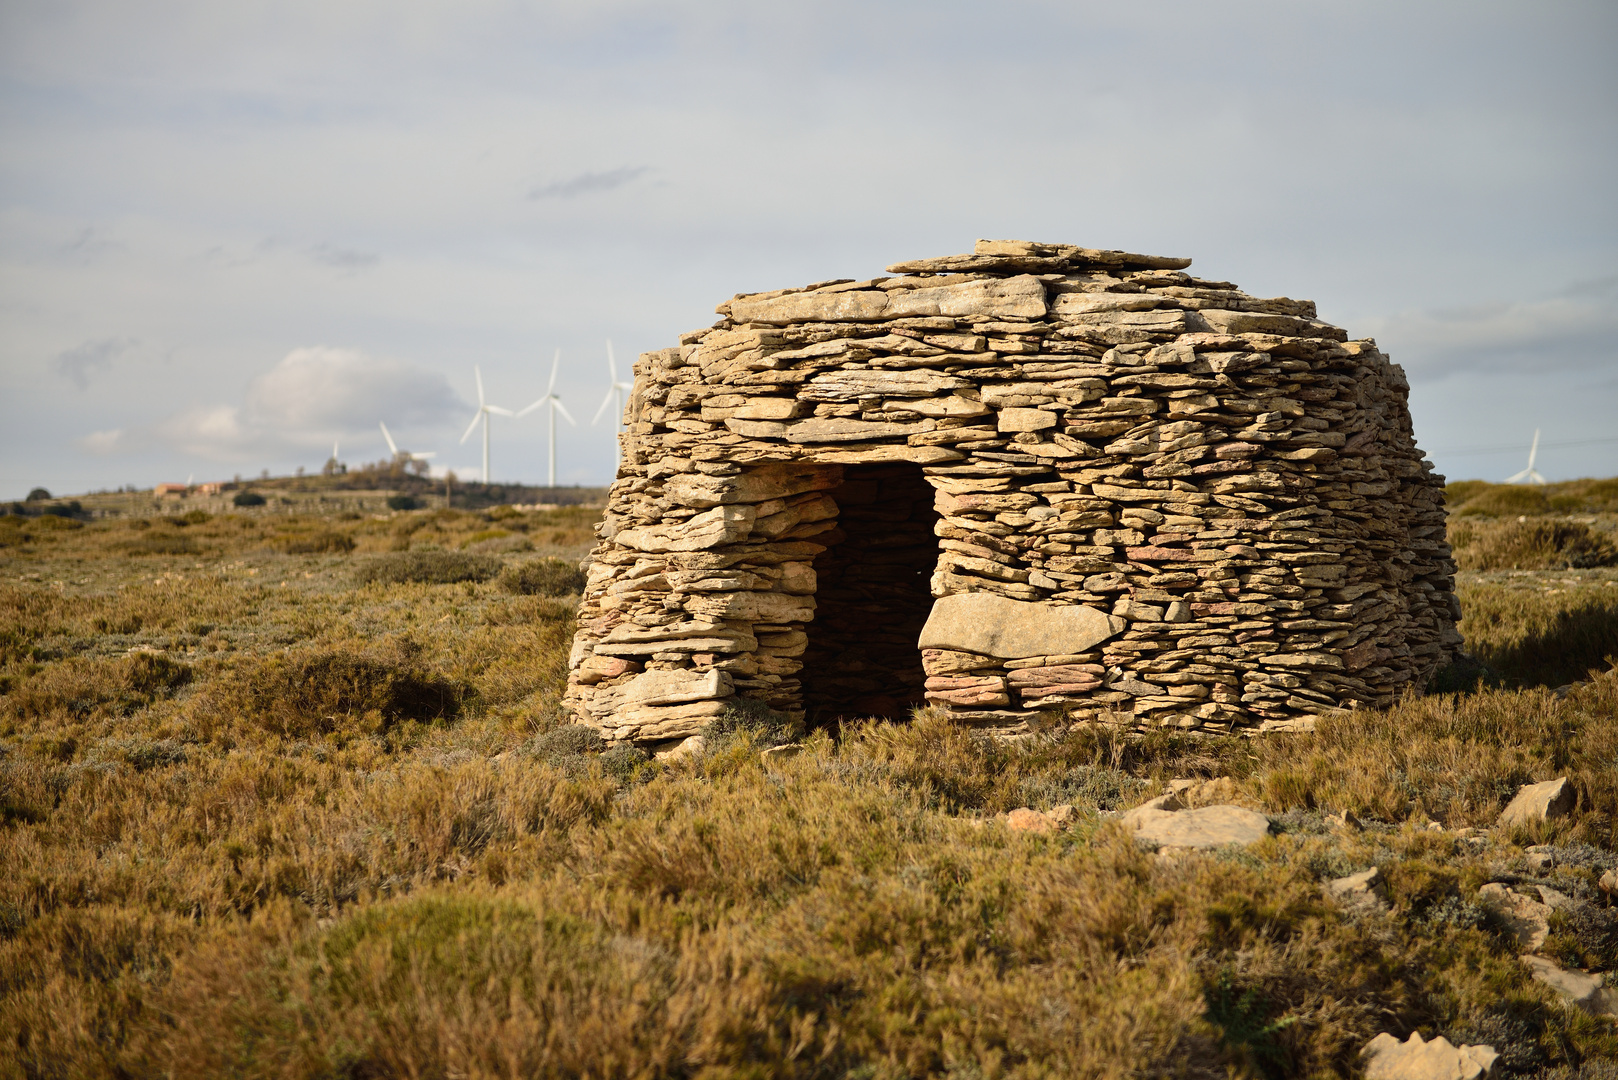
pixel 1037 477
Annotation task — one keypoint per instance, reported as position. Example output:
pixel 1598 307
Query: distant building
pixel 169 491
pixel 215 488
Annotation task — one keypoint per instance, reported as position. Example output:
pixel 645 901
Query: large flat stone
pixel 721 525
pixel 1209 827
pixel 1579 988
pixel 998 626
pixel 1022 296
pixel 677 687
pixel 1386 1058
pixel 777 481
pixel 1538 802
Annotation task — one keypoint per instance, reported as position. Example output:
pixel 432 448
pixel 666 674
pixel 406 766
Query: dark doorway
pixel 872 597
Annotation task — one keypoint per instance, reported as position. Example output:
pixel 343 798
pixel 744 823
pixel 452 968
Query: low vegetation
pixel 267 811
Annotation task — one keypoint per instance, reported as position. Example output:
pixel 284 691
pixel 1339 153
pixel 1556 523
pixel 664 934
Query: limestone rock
pixel 1386 1058
pixel 672 687
pixel 776 754
pixel 1539 802
pixel 1209 827
pixel 1578 988
pixel 693 746
pixel 1524 918
pixel 1148 486
pixel 1358 892
pixel 1024 819
pixel 997 626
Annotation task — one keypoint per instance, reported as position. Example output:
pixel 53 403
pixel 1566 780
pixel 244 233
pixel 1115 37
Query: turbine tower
pixel 616 389
pixel 484 409
pixel 556 406
pixel 394 449
pixel 1528 475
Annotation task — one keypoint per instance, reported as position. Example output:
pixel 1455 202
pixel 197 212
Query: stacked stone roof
pixel 1157 500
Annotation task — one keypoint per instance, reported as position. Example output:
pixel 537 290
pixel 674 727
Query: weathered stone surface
pixel 997 626
pixel 693 746
pixel 1209 827
pixel 1386 1058
pixel 1358 892
pixel 1539 802
pixel 1022 297
pixel 672 687
pixel 756 485
pixel 1024 819
pixel 1525 918
pixel 721 525
pixel 1105 435
pixel 1580 989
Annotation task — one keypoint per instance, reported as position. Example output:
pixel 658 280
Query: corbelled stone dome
pixel 1035 477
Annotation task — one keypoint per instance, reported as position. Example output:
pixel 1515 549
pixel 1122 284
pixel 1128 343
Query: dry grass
pixel 338 831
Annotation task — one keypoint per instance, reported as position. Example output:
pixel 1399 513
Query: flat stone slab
pixel 1579 988
pixel 1539 802
pixel 1209 827
pixel 1386 1058
pixel 1007 629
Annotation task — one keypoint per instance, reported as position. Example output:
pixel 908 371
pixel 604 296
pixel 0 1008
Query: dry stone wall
pixel 1034 477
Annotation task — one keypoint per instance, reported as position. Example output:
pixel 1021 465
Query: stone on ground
pixel 1386 1058
pixel 1539 802
pixel 1524 918
pixel 686 748
pixel 1579 988
pixel 1024 819
pixel 1358 892
pixel 1209 827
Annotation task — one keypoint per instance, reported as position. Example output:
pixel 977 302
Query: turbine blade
pixel 556 401
pixel 473 426
pixel 392 449
pixel 498 410
pixel 556 366
pixel 478 373
pixel 611 393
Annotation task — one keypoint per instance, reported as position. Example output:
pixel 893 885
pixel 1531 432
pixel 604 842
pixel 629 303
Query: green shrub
pixel 161 544
pixel 248 498
pixel 1506 500
pixel 427 568
pixel 326 691
pixel 81 687
pixel 1529 545
pixel 316 543
pixel 542 577
pixel 403 502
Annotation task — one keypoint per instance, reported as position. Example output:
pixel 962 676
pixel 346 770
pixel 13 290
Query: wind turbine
pixel 615 396
pixel 1528 475
pixel 484 409
pixel 556 406
pixel 397 453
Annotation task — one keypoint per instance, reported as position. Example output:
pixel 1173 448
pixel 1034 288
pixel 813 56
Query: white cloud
pixel 103 442
pixel 313 396
pixel 1573 330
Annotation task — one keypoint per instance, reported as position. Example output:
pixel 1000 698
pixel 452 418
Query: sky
pixel 234 234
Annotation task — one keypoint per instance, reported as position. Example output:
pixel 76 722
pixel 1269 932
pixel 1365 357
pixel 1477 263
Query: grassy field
pixel 291 795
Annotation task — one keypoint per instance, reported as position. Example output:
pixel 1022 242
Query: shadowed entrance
pixel 872 597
